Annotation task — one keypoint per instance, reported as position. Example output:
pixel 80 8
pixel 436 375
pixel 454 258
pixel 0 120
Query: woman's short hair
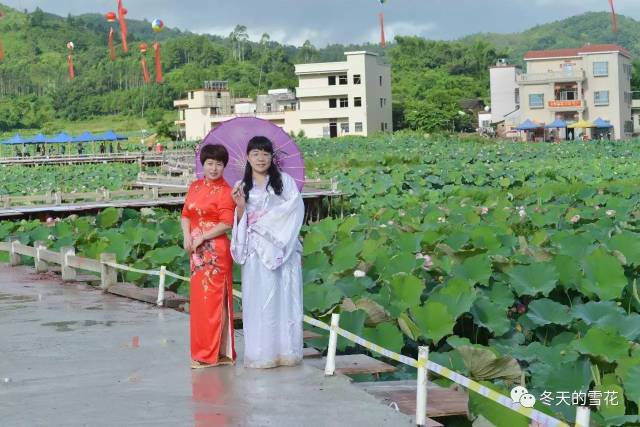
pixel 215 152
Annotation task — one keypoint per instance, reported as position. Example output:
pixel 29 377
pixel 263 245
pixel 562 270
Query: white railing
pixel 107 268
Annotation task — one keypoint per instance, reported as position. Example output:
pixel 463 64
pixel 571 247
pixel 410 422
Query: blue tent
pixel 85 137
pixel 528 125
pixel 38 139
pixel 556 124
pixel 110 136
pixel 61 138
pixel 15 140
pixel 601 124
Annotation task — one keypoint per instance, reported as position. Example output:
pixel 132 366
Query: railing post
pixel 41 266
pixel 330 366
pixel 57 198
pixel 108 275
pixel 163 276
pixel 68 272
pixel 14 257
pixel 583 415
pixel 155 192
pixel 421 392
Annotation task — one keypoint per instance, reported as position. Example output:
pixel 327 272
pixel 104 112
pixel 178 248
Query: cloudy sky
pixel 342 21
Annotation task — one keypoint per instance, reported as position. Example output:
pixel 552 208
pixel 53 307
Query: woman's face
pixel 259 160
pixel 213 169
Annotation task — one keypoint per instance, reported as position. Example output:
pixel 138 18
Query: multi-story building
pixel 505 93
pixel 350 97
pixel 586 83
pixel 332 99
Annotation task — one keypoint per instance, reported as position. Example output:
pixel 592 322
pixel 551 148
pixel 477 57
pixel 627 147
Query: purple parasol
pixel 235 134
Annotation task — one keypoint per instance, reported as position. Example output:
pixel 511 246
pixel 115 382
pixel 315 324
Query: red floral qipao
pixel 207 204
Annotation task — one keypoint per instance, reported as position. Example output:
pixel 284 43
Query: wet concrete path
pixel 73 356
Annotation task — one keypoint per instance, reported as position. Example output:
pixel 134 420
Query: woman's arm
pixel 186 234
pixel 215 231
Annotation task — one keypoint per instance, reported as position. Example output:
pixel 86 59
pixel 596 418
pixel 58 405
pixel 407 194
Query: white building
pixel 332 99
pixel 505 93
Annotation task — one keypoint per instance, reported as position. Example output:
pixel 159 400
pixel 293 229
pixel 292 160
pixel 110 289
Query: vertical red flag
pixel 112 49
pixel 156 48
pixel 1 51
pixel 382 41
pixel 143 63
pixel 123 25
pixel 72 73
pixel 614 18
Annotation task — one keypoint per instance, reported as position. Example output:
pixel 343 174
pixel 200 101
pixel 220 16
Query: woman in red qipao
pixel 206 217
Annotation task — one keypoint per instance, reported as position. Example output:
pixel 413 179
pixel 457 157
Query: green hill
pixel 430 78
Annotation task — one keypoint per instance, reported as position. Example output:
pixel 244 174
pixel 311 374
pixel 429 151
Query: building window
pixel 517 95
pixel 218 95
pixel 380 80
pixel 386 126
pixel 268 108
pixel 344 127
pixel 182 114
pixel 343 80
pixel 344 102
pixel 332 103
pixel 191 95
pixel 358 127
pixel 536 100
pixel 382 127
pixel 628 126
pixel 356 79
pixel 600 69
pixel 332 80
pixel 357 101
pixel 601 97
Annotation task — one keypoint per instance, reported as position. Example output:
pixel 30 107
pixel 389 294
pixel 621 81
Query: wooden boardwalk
pixel 124 157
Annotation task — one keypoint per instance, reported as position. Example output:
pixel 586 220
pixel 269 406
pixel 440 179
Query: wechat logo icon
pixel 521 395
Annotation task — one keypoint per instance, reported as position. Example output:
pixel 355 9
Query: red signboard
pixel 574 103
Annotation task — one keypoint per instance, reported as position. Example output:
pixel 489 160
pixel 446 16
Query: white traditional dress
pixel 265 242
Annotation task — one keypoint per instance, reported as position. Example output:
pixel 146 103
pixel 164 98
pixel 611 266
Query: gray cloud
pixel 342 21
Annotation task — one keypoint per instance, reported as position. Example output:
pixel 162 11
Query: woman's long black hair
pixel 262 143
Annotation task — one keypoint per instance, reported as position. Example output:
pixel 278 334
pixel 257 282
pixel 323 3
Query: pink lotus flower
pixel 575 219
pixel 428 262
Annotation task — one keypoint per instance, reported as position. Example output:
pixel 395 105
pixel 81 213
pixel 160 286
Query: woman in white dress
pixel 269 214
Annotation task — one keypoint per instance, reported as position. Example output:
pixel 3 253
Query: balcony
pixel 551 77
pixel 321 91
pixel 181 103
pixel 572 105
pixel 325 113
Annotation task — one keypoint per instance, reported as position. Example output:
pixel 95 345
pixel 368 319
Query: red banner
pixel 72 73
pixel 156 48
pixel 382 40
pixel 145 70
pixel 112 49
pixel 574 103
pixel 123 25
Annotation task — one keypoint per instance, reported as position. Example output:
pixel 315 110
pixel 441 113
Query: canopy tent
pixel 15 140
pixel 110 136
pixel 61 138
pixel 528 125
pixel 556 124
pixel 582 124
pixel 601 124
pixel 38 139
pixel 85 137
